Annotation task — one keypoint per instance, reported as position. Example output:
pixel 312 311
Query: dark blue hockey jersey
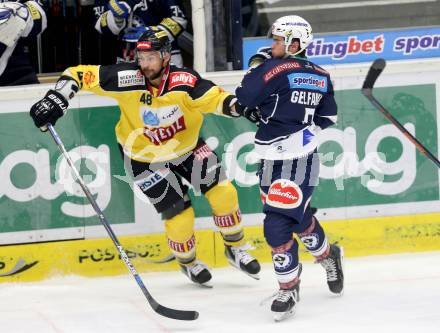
pixel 296 100
pixel 168 15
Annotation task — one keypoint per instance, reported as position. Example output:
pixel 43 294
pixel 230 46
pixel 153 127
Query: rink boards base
pixel 98 257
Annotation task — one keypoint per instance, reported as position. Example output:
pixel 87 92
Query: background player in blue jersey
pixel 293 100
pixel 128 19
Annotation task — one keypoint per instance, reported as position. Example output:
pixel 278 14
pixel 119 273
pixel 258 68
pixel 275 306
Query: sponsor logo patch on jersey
pixel 224 221
pixel 159 135
pixel 160 116
pixel 284 193
pixel 202 152
pixel 152 180
pixel 308 81
pixel 181 79
pixel 89 78
pixel 163 123
pixel 269 75
pixel 182 247
pixel 130 78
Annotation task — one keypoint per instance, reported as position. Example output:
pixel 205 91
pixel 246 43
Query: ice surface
pixel 397 293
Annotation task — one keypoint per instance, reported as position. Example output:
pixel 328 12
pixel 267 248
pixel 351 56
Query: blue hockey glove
pixel 252 114
pixel 132 34
pixel 120 9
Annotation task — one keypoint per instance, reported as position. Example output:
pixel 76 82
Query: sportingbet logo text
pixel 409 44
pixel 308 81
pixel 352 46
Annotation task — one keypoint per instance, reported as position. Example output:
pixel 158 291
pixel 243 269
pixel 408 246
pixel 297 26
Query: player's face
pixel 278 47
pixel 151 63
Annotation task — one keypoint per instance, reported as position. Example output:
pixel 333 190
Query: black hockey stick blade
pixel 168 312
pixel 367 89
pixel 175 314
pixel 373 73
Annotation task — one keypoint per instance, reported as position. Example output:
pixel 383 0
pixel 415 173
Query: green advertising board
pixel 35 179
pixel 366 161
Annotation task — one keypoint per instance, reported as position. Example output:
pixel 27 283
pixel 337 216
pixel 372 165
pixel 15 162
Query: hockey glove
pixel 49 109
pixel 120 9
pixel 252 114
pixel 132 34
pixel 263 54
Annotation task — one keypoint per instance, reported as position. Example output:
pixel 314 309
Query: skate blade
pixel 279 316
pixel 233 264
pixel 204 285
pixel 339 294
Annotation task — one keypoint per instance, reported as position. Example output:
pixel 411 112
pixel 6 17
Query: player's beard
pixel 152 74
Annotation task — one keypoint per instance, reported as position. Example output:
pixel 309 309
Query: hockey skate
pixel 285 301
pixel 239 258
pixel 197 272
pixel 333 266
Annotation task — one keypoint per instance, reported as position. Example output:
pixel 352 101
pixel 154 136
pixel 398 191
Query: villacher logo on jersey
pixel 352 46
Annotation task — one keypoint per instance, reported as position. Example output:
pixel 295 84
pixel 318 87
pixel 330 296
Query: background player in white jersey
pixel 294 100
pixel 19 22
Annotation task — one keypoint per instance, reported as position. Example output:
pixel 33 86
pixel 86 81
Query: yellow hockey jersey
pixel 155 125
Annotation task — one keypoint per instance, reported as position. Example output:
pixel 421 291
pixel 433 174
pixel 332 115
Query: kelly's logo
pixel 180 79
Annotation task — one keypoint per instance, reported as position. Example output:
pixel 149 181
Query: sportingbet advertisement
pixel 363 47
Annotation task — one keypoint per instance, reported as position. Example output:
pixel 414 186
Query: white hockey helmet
pixel 292 27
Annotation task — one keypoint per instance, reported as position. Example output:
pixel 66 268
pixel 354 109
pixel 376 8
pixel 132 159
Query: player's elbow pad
pixel 173 26
pixel 107 24
pixel 39 18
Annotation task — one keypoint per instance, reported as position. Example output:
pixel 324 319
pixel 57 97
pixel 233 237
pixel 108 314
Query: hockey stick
pixel 160 309
pixel 367 89
pixel 129 25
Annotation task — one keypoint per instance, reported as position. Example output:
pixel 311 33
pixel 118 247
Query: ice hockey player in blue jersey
pixel 128 19
pixel 293 100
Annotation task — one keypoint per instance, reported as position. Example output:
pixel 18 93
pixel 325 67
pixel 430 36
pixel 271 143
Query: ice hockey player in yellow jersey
pixel 162 110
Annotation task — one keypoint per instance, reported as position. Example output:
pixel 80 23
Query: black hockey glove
pixel 252 114
pixel 49 109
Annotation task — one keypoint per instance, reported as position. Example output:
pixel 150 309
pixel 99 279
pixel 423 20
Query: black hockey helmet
pixel 154 39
